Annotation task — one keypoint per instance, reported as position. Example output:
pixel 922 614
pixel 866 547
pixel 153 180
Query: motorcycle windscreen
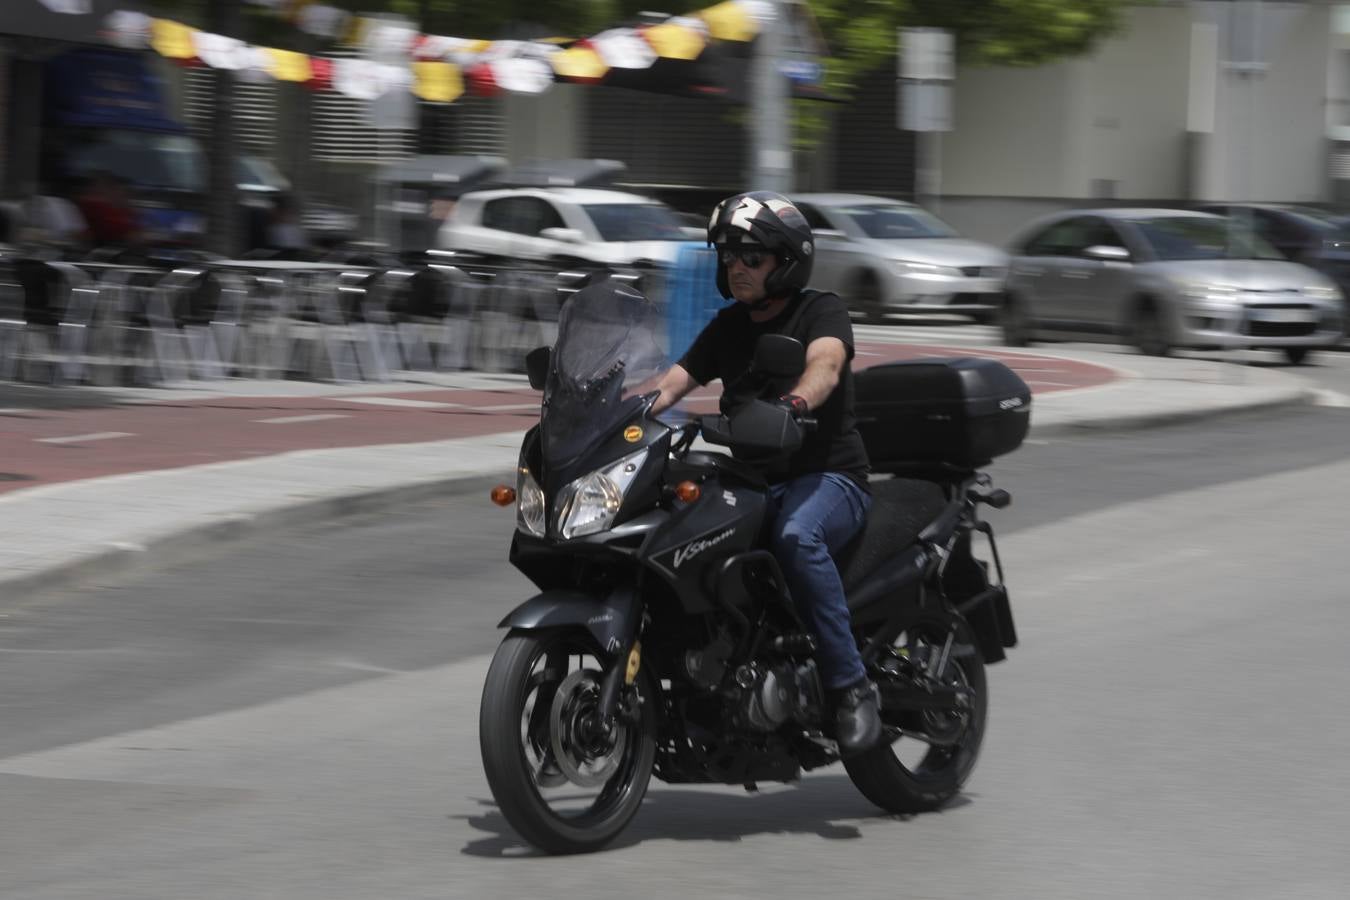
pixel 609 352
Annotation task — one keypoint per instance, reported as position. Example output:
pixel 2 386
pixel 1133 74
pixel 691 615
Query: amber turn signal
pixel 687 491
pixel 503 495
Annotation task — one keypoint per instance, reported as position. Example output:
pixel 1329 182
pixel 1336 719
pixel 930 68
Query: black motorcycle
pixel 663 640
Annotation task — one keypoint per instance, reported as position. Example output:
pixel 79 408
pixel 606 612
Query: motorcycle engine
pixel 771 695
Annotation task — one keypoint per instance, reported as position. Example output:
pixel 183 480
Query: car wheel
pixel 1148 333
pixel 1297 356
pixel 1015 322
pixel 867 298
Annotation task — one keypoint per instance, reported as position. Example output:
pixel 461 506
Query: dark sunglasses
pixel 749 256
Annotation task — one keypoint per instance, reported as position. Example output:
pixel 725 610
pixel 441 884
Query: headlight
pixel 589 504
pixel 1202 290
pixel 920 269
pixel 529 503
pixel 1322 292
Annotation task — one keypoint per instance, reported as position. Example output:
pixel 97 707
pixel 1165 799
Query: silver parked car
pixel 1162 278
pixel 886 256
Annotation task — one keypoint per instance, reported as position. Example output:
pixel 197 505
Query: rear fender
pixel 611 619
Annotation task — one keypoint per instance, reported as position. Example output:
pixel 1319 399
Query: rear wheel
pixel 930 754
pixel 563 783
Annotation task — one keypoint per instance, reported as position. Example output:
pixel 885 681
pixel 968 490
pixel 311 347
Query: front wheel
pixel 563 783
pixel 932 753
pixel 1296 356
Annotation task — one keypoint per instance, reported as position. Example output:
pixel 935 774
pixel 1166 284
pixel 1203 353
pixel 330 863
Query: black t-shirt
pixel 725 348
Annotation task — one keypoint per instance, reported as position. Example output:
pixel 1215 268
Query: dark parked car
pixel 1305 234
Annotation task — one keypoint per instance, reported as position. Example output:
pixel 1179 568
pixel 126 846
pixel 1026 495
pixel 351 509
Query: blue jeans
pixel 813 517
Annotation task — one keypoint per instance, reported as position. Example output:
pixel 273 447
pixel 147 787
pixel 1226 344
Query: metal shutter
pixel 872 155
pixel 668 140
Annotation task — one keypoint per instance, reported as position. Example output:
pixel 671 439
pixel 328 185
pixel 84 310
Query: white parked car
pixel 565 226
pixel 887 256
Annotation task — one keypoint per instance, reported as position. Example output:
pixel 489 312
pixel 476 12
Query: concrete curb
pixel 1065 416
pixel 169 545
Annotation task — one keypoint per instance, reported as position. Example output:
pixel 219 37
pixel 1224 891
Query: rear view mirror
pixel 537 362
pixel 829 233
pixel 1107 253
pixel 779 356
pixel 566 235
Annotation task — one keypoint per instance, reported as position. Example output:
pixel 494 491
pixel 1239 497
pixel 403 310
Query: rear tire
pixel 518 737
pixel 904 787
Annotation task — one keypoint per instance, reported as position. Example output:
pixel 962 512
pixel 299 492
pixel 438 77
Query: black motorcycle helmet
pixel 771 220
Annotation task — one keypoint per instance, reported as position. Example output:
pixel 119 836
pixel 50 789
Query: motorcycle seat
pixel 901 508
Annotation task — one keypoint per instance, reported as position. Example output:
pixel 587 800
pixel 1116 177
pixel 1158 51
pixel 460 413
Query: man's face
pixel 747 265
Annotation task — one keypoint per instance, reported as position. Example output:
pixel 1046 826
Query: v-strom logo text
pixel 694 548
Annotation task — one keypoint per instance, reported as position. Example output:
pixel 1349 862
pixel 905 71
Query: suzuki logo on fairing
pixel 694 548
pixel 1010 403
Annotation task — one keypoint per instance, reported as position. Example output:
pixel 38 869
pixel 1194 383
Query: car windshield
pixel 1336 223
pixel 887 222
pixel 1202 237
pixel 166 161
pixel 635 222
pixel 608 348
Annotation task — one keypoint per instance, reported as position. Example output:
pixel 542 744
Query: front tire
pixel 867 295
pixel 1148 332
pixel 901 776
pixel 1015 322
pixel 563 787
pixel 1296 356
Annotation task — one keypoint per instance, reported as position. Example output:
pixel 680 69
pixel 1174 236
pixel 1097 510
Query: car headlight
pixel 589 504
pixel 529 503
pixel 906 267
pixel 1321 292
pixel 1204 290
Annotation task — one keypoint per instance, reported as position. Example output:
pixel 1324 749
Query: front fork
pixel 623 671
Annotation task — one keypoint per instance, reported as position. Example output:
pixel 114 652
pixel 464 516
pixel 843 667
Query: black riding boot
pixel 857 717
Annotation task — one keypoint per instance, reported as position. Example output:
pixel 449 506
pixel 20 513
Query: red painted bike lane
pixel 45 446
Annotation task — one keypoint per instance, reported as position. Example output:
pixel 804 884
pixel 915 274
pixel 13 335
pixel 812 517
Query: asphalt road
pixel 296 717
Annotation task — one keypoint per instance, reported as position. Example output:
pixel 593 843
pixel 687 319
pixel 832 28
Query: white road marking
pixel 289 420
pixel 82 438
pixel 504 407
pixel 401 401
pixel 1335 399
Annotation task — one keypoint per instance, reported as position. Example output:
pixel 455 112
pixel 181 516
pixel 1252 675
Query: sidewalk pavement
pixel 62 533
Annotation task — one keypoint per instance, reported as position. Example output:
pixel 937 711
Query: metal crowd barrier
pixel 105 323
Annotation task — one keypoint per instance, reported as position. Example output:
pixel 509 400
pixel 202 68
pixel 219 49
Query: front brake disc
pixel 585 758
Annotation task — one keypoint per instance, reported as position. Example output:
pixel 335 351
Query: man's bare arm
pixel 673 385
pixel 825 360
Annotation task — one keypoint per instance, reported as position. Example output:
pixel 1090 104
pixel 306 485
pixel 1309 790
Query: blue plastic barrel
pixel 692 299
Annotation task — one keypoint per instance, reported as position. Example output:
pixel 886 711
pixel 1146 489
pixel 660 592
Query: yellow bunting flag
pixel 674 41
pixel 172 39
pixel 285 65
pixel 437 82
pixel 579 62
pixel 729 22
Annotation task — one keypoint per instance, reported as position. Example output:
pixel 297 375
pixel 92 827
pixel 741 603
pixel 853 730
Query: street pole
pixel 771 167
pixel 925 69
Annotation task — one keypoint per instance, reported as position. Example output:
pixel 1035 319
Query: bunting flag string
pixel 440 69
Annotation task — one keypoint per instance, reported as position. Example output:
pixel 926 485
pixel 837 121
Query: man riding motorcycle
pixel 820 493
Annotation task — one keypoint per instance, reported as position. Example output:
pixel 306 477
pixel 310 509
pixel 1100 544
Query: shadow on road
pixel 828 807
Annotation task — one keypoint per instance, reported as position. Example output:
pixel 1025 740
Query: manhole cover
pixel 14 476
